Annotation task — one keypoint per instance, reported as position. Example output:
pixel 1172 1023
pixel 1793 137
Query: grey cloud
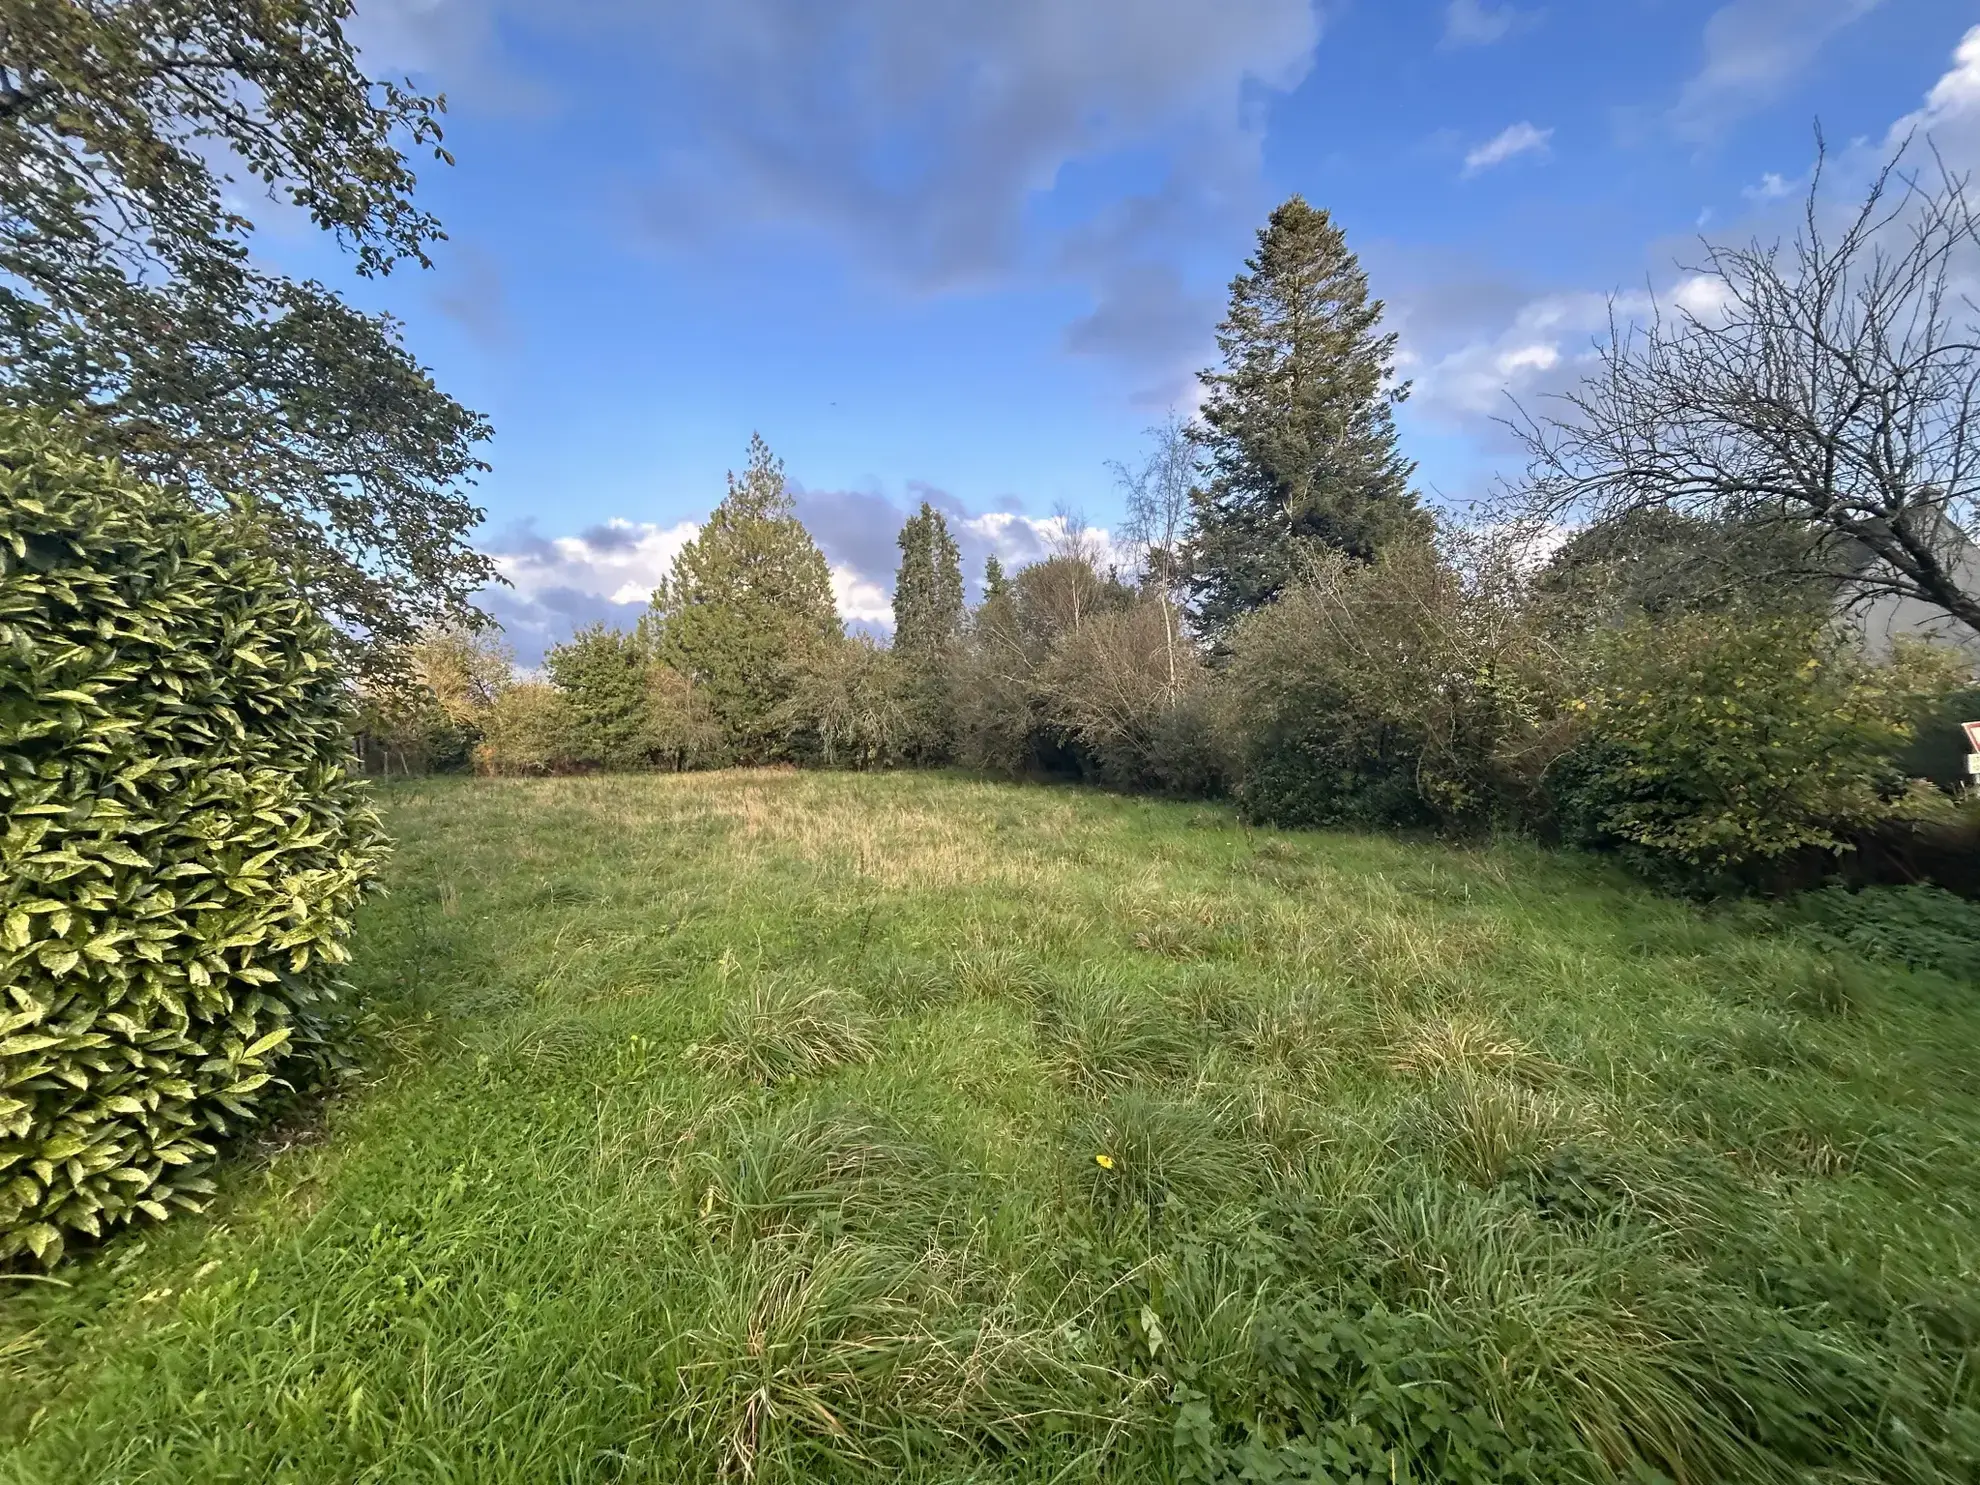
pixel 453 41
pixel 920 490
pixel 533 623
pixel 855 529
pixel 920 130
pixel 1147 316
pixel 919 135
pixel 521 539
pixel 610 537
pixel 1753 50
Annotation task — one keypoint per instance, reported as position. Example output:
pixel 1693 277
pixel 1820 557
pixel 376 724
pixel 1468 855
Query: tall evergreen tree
pixel 747 600
pixel 928 593
pixel 995 584
pixel 928 632
pixel 1298 425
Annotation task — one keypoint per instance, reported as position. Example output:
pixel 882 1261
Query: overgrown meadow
pixel 840 1127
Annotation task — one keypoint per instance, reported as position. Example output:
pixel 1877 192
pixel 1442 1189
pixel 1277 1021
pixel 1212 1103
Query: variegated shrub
pixel 182 843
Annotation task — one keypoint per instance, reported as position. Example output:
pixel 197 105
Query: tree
pixel 1298 425
pixel 1412 690
pixel 1656 562
pixel 624 706
pixel 1003 698
pixel 1719 743
pixel 746 599
pixel 1158 504
pixel 928 630
pixel 995 584
pixel 464 669
pixel 1118 693
pixel 1826 393
pixel 603 674
pixel 128 293
pixel 423 713
pixel 928 593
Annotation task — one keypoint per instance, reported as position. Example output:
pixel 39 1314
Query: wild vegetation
pixel 1670 681
pixel 899 1126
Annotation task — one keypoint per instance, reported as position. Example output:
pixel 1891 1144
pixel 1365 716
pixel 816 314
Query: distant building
pixel 1887 616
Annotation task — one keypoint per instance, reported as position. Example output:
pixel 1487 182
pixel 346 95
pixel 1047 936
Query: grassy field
pixel 907 1128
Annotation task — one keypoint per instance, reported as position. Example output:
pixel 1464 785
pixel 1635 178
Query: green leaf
pixel 262 1046
pixel 59 960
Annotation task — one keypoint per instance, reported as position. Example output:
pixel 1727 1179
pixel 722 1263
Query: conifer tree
pixel 995 584
pixel 928 593
pixel 604 675
pixel 1298 424
pixel 748 599
pixel 928 631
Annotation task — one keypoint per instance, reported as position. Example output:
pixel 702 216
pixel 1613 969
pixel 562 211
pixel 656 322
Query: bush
pixel 526 731
pixel 851 706
pixel 993 716
pixel 1128 693
pixel 1073 673
pixel 1401 692
pixel 184 842
pixel 613 705
pixel 1718 745
pixel 1919 926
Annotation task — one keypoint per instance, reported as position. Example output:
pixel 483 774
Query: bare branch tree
pixel 1074 544
pixel 1158 506
pixel 1825 390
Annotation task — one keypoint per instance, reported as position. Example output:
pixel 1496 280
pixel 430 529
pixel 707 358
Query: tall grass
pixel 824 1128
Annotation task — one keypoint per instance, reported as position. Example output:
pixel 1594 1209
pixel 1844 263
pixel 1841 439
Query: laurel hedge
pixel 182 841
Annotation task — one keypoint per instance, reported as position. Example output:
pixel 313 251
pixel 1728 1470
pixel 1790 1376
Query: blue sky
pixel 967 251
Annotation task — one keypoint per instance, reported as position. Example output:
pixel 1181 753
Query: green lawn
pixel 909 1128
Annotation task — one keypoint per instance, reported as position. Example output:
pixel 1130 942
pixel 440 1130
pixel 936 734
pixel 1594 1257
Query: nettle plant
pixel 182 843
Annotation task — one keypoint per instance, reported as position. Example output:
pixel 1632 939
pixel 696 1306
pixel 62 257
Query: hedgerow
pixel 182 843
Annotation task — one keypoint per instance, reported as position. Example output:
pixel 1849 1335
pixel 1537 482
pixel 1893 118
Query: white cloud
pixel 621 561
pixel 1515 139
pixel 1753 49
pixel 1701 296
pixel 1465 361
pixel 1475 23
pixel 1951 115
pixel 861 600
pixel 1018 540
pixel 607 574
pixel 1541 356
pixel 1547 340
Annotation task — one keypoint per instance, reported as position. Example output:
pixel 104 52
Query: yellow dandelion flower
pixel 1105 1162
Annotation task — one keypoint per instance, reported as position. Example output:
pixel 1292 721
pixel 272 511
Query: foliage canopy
pixel 128 290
